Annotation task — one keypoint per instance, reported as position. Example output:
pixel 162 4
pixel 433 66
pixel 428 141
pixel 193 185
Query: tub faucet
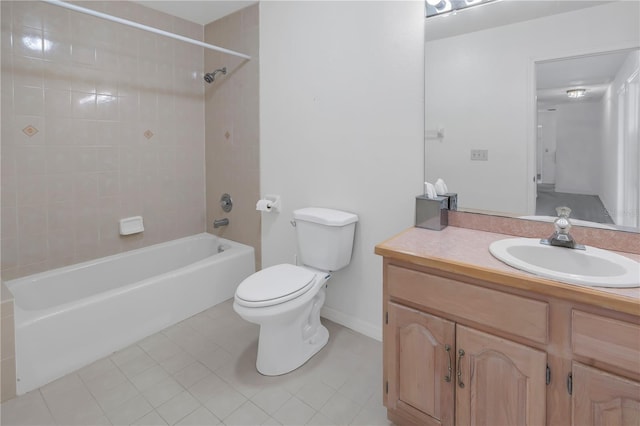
pixel 561 236
pixel 220 222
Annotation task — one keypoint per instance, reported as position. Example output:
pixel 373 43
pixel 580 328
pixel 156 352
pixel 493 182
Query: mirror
pixel 587 137
pixel 502 89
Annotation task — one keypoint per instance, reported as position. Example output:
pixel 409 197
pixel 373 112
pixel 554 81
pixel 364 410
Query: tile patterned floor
pixel 202 372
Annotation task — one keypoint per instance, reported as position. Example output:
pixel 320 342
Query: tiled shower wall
pixel 232 128
pixel 99 122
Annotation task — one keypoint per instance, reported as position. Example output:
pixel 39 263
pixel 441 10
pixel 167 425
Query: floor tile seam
pixel 341 392
pixel 332 386
pixel 152 387
pixel 154 347
pixel 86 380
pixel 241 405
pixel 46 404
pixel 128 379
pixel 173 375
pixel 360 406
pixel 189 364
pixel 85 387
pixel 139 372
pixel 279 407
pixel 186 415
pixel 204 403
pixel 128 424
pixel 201 406
pixel 303 402
pixel 225 380
pixel 201 337
pixel 360 411
pixel 155 364
pixel 86 384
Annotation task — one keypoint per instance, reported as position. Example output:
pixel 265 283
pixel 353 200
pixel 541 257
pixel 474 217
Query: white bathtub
pixel 70 317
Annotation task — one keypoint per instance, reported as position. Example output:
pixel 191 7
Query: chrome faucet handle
pixel 562 223
pixel 561 236
pixel 563 211
pixel 226 202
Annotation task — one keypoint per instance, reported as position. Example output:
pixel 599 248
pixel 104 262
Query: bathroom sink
pixel 590 267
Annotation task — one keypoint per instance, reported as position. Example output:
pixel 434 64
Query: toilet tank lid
pixel 329 217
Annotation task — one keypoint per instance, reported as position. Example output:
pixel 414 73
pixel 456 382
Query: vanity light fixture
pixel 442 7
pixel 576 93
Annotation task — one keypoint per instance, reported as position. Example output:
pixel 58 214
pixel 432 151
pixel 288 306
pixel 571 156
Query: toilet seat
pixel 274 285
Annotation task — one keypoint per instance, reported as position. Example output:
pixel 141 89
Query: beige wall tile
pixel 8 342
pixel 232 147
pixel 7 352
pixel 8 373
pixel 89 89
pixel 6 309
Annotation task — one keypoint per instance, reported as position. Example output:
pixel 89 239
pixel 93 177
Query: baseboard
pixel 354 324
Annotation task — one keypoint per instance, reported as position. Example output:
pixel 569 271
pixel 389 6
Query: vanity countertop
pixel 466 252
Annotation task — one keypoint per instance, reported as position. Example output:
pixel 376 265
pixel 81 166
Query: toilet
pixel 285 300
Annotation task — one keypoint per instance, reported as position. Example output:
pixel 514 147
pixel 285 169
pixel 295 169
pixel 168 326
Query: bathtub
pixel 70 317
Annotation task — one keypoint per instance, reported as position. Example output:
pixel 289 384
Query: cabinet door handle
pixel 460 355
pixel 447 378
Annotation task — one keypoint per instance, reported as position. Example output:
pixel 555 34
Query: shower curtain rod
pixel 144 27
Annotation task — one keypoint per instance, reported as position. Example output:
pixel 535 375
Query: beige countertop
pixel 466 251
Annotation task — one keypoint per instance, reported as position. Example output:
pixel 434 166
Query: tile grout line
pixel 47 405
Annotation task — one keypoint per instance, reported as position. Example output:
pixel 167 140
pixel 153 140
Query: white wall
pixel 341 126
pixel 479 87
pixel 546 147
pixel 578 147
pixel 611 183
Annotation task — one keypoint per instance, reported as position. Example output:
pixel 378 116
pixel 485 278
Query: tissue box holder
pixel 453 200
pixel 432 213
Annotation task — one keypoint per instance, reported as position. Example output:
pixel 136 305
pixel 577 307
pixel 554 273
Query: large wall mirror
pixel 498 80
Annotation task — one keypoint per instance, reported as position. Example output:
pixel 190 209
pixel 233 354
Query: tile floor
pixel 202 372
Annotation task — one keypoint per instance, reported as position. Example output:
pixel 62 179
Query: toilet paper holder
pixel 269 203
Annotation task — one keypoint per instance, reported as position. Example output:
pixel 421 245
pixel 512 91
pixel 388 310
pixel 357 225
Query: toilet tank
pixel 325 237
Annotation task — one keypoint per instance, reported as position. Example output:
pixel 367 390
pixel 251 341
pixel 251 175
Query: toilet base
pixel 288 342
pixel 274 361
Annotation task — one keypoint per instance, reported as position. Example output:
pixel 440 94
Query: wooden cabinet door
pixel 498 382
pixel 600 398
pixel 420 366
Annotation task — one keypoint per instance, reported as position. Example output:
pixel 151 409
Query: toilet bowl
pixel 285 300
pixel 288 314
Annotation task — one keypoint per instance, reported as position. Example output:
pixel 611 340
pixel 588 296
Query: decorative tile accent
pixel 148 134
pixel 30 130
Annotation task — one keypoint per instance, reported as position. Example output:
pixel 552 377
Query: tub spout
pixel 220 222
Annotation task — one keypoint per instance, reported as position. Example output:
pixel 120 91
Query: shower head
pixel 211 76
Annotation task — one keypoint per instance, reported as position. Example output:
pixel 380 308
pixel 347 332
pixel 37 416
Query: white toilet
pixel 285 300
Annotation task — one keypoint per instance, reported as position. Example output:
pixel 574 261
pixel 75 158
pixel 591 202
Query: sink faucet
pixel 561 236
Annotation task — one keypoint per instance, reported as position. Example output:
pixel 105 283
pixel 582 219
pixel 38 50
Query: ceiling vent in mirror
pixel 441 7
pixel 576 93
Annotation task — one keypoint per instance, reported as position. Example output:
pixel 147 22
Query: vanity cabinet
pixel 461 350
pixel 601 398
pixel 499 382
pixel 494 381
pixel 421 350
